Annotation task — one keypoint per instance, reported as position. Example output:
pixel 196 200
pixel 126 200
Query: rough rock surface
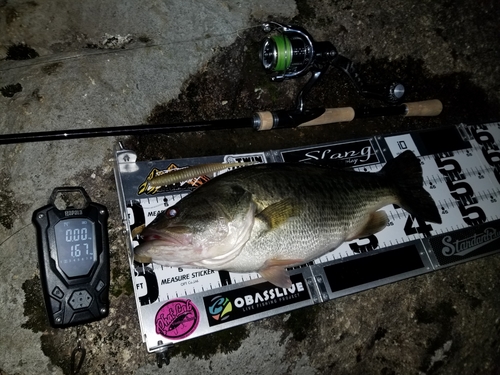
pixel 66 65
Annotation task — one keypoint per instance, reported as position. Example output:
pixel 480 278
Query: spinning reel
pixel 291 52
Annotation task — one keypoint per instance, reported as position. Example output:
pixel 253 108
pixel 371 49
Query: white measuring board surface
pixel 461 168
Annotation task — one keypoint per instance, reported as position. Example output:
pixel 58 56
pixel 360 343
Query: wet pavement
pixel 101 64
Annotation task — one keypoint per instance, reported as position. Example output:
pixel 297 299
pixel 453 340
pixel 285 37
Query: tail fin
pixel 405 173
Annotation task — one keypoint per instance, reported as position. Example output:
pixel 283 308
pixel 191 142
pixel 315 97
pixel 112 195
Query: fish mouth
pixel 172 248
pixel 175 237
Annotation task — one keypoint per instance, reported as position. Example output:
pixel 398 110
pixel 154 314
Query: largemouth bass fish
pixel 264 218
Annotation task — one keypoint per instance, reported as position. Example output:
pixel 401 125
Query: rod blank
pixel 261 121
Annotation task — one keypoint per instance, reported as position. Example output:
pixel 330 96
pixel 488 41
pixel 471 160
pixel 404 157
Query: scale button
pixel 55 305
pixel 57 292
pixel 99 286
pixel 80 299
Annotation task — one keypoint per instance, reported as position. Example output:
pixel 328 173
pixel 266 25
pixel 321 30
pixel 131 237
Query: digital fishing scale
pixel 73 254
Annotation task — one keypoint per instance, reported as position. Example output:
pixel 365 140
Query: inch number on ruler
pixel 489 148
pixel 460 189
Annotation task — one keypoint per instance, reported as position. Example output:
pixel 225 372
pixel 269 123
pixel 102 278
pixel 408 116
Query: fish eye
pixel 171 212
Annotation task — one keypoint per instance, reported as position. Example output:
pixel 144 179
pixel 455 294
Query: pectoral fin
pixel 277 213
pixel 275 272
pixel 136 231
pixel 378 220
pixel 142 258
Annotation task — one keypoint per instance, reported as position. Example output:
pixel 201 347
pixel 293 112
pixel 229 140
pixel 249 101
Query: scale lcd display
pixel 75 242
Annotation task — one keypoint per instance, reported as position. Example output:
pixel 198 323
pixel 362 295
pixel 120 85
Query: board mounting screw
pixel 40 216
pixel 58 320
pixel 103 310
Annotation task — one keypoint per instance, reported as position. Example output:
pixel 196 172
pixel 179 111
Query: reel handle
pixel 425 108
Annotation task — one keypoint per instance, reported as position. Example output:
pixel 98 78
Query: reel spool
pixel 292 52
pixel 288 54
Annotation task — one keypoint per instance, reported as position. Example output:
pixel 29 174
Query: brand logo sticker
pixel 466 243
pixel 243 302
pixel 177 319
pixel 220 309
pixel 350 154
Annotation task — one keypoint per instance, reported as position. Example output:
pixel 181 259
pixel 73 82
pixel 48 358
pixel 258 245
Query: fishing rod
pixel 288 53
pixel 260 121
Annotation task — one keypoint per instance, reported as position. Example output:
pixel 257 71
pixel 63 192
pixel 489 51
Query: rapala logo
pixel 73 213
pixel 467 245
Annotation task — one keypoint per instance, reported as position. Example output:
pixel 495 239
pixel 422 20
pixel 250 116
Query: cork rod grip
pixel 425 108
pixel 332 115
pixel 431 107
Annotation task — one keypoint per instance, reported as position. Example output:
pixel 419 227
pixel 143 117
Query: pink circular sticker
pixel 177 319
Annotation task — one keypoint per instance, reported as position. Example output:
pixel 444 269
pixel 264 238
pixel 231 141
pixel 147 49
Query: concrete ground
pixel 70 65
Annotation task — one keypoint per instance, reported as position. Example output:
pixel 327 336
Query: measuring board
pixel 461 168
